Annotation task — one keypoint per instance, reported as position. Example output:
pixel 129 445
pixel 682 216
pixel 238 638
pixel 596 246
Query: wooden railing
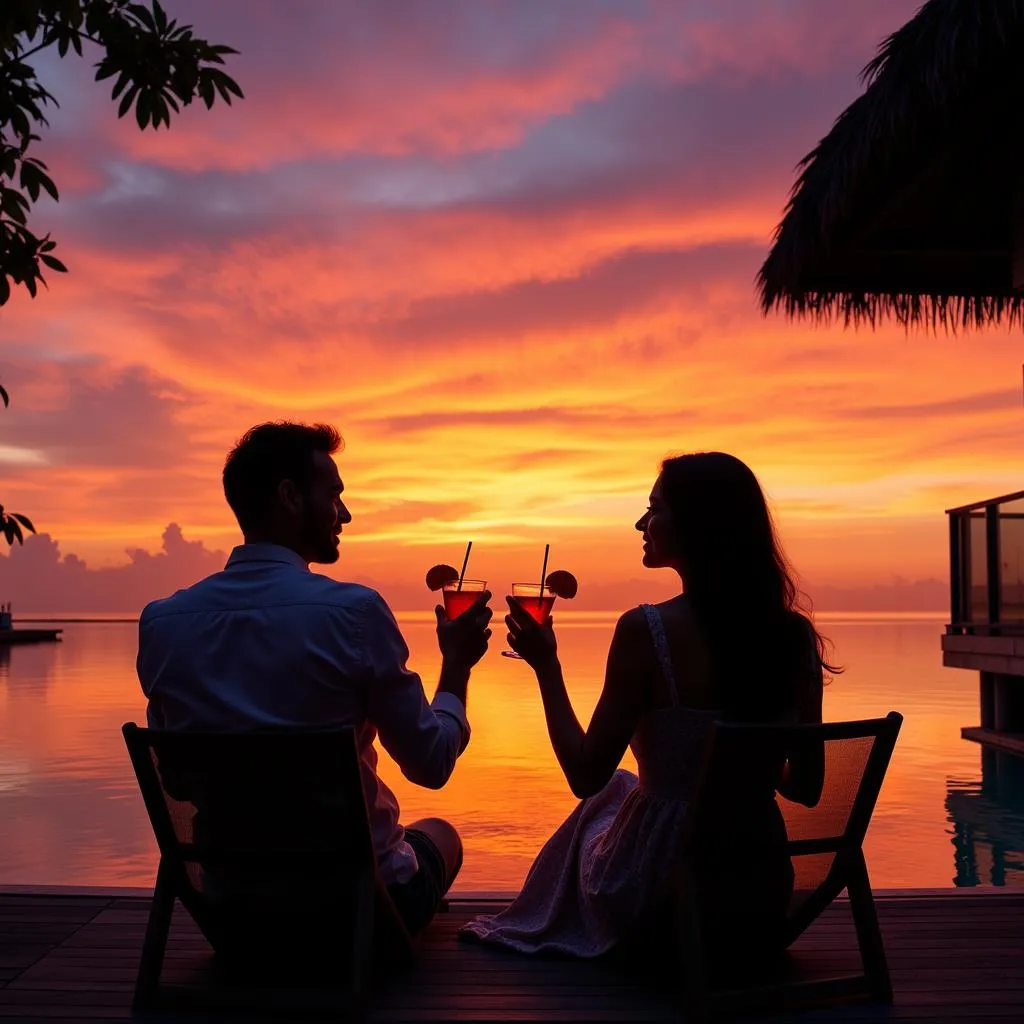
pixel 986 567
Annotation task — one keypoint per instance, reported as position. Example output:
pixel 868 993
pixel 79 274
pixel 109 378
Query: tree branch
pixel 43 46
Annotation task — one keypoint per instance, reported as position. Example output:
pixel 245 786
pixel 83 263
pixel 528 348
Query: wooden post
pixel 956 601
pixel 993 566
pixel 988 700
pixel 1008 703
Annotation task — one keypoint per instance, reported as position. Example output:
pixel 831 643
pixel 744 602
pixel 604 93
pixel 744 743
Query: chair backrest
pixel 742 768
pixel 857 755
pixel 280 813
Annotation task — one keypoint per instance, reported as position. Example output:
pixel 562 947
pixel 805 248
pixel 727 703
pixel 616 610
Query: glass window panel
pixel 977 568
pixel 1011 557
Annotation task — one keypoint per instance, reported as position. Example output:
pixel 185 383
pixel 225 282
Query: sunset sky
pixel 509 250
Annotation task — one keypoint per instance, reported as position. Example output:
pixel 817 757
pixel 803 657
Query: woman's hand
pixel 534 643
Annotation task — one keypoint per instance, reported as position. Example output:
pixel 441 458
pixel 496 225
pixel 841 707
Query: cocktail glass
pixel 460 599
pixel 536 601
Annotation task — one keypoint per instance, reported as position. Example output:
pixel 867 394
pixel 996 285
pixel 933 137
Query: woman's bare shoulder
pixel 676 613
pixel 631 624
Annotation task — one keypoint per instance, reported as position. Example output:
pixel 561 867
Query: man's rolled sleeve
pixel 424 739
pixel 449 704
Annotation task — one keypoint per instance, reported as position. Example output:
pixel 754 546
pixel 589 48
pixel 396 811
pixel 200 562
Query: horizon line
pixel 414 615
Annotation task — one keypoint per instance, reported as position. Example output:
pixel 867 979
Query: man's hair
pixel 266 455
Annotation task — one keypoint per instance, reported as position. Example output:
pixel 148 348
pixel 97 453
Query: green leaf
pixel 47 182
pixel 127 100
pixel 53 263
pixel 143 109
pixel 123 80
pixel 5 294
pixel 25 521
pixel 29 181
pixel 231 85
pixel 14 204
pixel 16 531
pixel 143 15
pixel 4 396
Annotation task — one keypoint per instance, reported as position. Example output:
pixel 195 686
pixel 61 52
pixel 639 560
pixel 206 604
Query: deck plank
pixel 953 957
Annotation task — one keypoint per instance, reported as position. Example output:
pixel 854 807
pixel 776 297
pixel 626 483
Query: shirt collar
pixel 265 553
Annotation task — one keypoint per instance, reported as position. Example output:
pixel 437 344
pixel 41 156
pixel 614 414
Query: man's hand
pixel 463 641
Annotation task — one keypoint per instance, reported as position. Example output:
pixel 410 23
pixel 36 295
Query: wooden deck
pixel 956 956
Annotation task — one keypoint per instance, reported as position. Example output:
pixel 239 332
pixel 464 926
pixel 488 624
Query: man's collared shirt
pixel 266 642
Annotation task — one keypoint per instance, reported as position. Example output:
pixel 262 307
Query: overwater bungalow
pixel 912 206
pixel 912 209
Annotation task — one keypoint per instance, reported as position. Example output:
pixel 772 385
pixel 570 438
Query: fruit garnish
pixel 562 584
pixel 439 575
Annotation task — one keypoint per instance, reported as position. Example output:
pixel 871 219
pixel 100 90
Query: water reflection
pixel 70 811
pixel 31 665
pixel 987 819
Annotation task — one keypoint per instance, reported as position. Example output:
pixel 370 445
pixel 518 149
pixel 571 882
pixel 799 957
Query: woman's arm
pixel 588 759
pixel 803 776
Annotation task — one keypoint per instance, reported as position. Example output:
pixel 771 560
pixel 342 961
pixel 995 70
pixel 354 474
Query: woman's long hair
pixel 740 586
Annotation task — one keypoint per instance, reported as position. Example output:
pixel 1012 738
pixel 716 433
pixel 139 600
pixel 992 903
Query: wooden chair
pixel 264 838
pixel 824 843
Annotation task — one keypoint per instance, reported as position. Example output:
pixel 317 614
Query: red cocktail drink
pixel 539 607
pixel 457 601
pixel 536 601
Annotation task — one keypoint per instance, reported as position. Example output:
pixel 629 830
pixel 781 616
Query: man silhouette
pixel 267 643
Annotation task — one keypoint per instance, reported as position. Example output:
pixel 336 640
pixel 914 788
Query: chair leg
pixel 869 935
pixel 157 928
pixel 690 947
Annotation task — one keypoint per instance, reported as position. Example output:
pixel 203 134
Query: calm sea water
pixel 70 811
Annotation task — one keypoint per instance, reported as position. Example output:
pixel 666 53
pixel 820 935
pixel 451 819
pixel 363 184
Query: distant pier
pixel 29 636
pixel 10 634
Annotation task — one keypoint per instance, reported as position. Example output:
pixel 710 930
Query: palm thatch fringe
pixel 929 312
pixel 954 55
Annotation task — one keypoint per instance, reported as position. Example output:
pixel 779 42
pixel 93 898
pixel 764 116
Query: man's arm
pixel 146 668
pixel 463 642
pixel 424 739
pixel 454 679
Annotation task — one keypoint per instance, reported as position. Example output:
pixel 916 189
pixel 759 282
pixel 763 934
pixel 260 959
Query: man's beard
pixel 321 544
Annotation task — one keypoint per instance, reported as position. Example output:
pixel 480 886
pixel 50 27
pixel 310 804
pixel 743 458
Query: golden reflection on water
pixel 71 812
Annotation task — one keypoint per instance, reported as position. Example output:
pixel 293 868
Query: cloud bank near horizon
pixel 38 578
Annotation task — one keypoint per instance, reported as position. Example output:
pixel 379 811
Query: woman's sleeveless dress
pixel 606 866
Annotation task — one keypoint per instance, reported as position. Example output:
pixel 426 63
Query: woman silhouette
pixel 731 646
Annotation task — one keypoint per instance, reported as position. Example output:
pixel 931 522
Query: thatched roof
pixel 913 204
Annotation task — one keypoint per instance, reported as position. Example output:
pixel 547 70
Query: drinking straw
pixel 544 569
pixel 465 562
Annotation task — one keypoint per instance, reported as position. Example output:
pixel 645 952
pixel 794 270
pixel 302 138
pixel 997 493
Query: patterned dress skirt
pixel 596 878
